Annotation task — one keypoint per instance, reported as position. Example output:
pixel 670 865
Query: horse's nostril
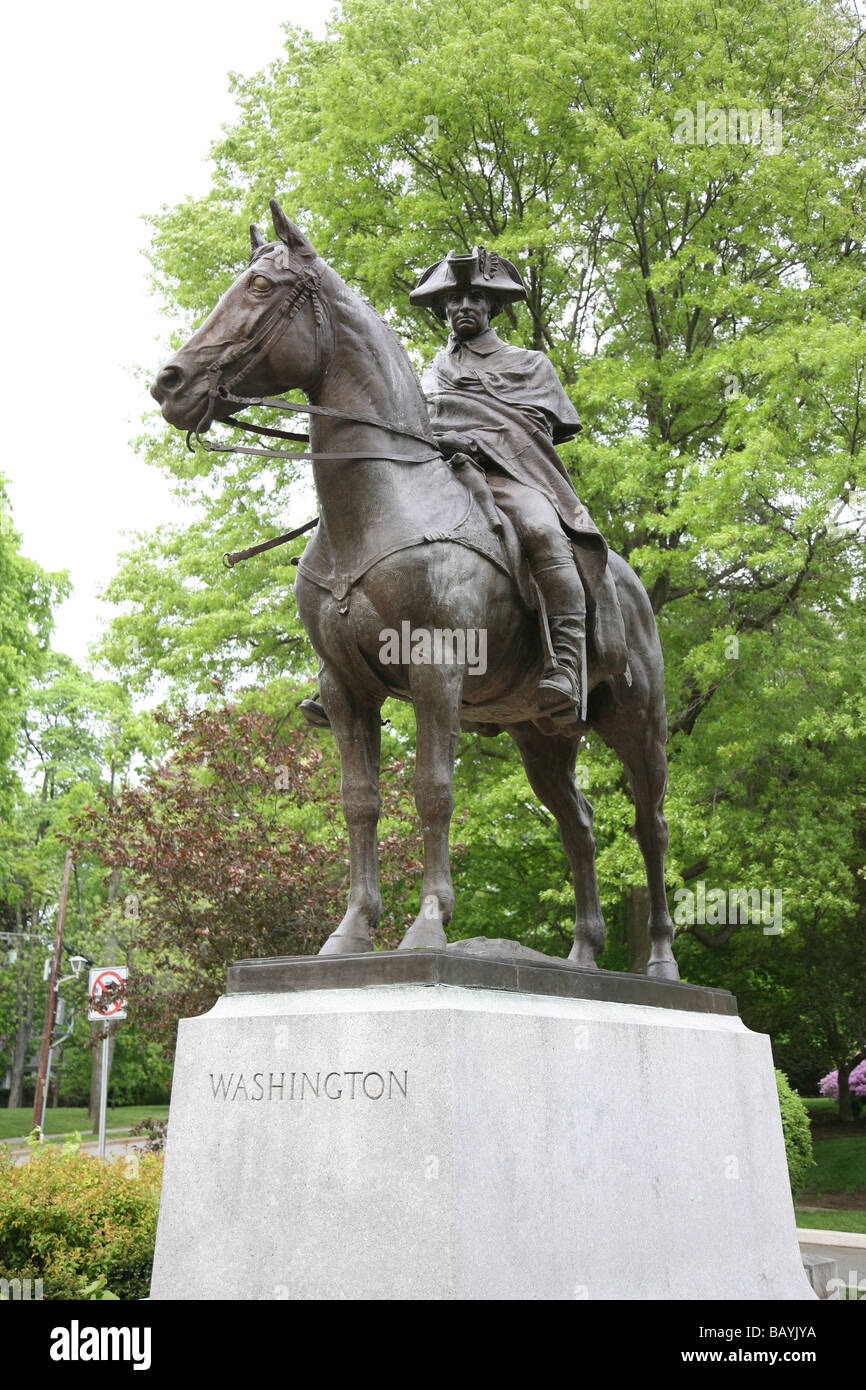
pixel 169 379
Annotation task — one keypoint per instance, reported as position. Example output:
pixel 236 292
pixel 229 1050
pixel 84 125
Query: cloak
pixel 510 401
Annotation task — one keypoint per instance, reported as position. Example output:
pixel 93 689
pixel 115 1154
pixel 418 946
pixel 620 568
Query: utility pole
pixel 52 995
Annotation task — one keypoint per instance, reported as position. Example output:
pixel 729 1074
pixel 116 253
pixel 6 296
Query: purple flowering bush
pixel 829 1084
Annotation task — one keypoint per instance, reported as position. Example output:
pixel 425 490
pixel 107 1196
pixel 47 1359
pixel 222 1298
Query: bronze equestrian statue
pixel 442 516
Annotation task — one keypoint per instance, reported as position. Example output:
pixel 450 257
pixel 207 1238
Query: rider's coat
pixel 510 401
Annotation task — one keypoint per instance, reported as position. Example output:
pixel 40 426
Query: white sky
pixel 108 111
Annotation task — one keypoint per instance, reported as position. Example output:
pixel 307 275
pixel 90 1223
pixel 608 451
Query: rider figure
pixel 505 407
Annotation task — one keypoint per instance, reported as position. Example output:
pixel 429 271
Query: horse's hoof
pixel 663 970
pixel 345 945
pixel 424 936
pixel 583 959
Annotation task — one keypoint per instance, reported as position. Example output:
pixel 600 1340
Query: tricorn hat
pixel 479 270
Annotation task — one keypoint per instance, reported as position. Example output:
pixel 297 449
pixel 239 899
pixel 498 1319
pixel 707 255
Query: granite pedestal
pixel 435 1125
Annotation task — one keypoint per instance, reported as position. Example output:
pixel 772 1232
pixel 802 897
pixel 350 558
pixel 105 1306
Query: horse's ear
pixel 290 234
pixel 256 239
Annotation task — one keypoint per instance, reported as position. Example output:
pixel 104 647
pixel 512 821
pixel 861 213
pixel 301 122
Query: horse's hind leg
pixel 357 728
pixel 637 735
pixel 549 763
pixel 436 694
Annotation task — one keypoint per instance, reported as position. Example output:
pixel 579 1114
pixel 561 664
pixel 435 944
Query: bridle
pixel 304 288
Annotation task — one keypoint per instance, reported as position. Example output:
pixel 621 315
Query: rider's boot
pixel 561 690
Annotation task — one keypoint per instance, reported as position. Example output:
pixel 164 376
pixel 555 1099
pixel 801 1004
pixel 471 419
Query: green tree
pixel 228 851
pixel 28 596
pixel 75 734
pixel 703 299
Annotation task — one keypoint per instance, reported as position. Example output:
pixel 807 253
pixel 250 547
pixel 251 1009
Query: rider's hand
pixel 450 442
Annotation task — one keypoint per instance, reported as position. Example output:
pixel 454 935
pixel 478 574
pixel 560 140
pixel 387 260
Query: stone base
pixel 428 1139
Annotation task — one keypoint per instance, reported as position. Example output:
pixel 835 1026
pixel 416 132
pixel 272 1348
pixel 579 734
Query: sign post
pixel 106 989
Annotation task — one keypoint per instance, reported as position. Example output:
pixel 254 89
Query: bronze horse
pixel 403 547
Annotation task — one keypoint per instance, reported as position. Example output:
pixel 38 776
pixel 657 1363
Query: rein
pixel 302 408
pixel 305 287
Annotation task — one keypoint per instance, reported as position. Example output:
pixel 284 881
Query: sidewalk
pixel 114 1148
pixel 64 1134
pixel 847 1248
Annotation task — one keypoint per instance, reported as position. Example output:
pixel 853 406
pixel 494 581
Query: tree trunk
pixel 637 909
pixel 846 1104
pixel 23 1019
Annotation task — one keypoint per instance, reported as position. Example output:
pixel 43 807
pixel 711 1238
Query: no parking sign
pixel 106 992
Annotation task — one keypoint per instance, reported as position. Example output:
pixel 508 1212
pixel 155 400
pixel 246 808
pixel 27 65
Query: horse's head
pixel 242 344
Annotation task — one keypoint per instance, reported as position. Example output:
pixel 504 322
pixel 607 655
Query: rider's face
pixel 468 312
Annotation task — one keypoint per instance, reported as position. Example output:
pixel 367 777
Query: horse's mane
pixel 285 260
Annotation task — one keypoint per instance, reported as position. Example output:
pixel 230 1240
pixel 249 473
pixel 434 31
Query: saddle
pixel 487 530
pixel 607 650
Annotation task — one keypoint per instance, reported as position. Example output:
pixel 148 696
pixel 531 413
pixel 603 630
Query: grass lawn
pixel 841 1165
pixel 832 1220
pixel 821 1107
pixel 838 1180
pixel 66 1119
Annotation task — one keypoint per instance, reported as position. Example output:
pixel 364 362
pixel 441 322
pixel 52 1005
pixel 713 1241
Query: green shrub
pixel 139 1072
pixel 70 1219
pixel 797 1132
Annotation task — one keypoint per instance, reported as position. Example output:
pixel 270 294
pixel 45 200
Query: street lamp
pixel 77 964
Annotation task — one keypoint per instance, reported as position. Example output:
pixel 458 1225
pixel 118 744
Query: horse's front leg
pixel 436 694
pixel 357 728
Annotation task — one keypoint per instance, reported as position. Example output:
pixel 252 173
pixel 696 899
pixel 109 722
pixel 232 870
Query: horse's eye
pixel 259 282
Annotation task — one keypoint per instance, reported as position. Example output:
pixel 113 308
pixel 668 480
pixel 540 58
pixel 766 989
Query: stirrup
pixel 314 714
pixel 552 699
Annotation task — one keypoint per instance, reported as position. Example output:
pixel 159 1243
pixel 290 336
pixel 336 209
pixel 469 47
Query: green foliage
pixel 95 1291
pixel 231 847
pixel 139 1074
pixel 656 271
pixel 798 1135
pixel 27 597
pixel 705 304
pixel 70 1220
pixel 76 734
